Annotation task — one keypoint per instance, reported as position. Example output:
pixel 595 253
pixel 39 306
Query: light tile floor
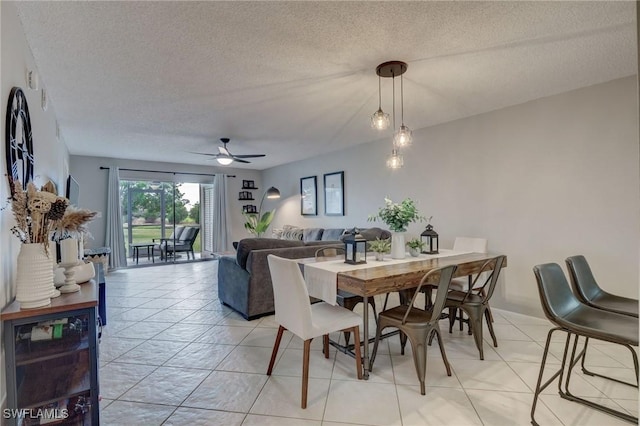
pixel 171 354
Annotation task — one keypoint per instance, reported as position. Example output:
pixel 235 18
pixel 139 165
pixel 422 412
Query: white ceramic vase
pixel 397 245
pixel 414 252
pixel 34 282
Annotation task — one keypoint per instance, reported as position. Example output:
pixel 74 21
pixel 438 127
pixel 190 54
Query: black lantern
pixel 430 239
pixel 355 248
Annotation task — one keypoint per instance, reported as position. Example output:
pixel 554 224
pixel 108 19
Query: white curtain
pixel 221 217
pixel 115 234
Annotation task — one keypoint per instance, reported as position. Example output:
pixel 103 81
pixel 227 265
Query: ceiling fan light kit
pixel 225 161
pixel 224 157
pixel 380 120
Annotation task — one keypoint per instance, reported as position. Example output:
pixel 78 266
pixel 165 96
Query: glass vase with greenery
pixel 397 216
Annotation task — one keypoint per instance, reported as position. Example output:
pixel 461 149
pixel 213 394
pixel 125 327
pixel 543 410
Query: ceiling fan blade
pixel 250 156
pixel 204 153
pixel 240 160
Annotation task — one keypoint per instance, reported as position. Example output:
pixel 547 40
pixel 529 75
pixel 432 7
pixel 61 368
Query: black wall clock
pixel 19 140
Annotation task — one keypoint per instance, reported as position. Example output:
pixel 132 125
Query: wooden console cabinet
pixel 52 361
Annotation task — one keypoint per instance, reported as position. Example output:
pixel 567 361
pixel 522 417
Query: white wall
pixel 51 155
pixel 541 181
pixel 93 187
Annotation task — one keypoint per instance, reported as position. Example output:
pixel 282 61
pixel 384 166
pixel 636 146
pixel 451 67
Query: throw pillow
pixel 277 233
pixel 292 234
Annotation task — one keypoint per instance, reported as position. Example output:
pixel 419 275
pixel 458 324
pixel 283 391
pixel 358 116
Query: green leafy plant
pixel 258 225
pixel 397 216
pixel 380 246
pixel 415 244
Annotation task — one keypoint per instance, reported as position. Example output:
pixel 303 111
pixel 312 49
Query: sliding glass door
pixel 152 211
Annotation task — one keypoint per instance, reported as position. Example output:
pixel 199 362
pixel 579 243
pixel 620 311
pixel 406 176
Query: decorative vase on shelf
pixel 414 252
pixel 34 281
pixel 397 245
pixel 379 256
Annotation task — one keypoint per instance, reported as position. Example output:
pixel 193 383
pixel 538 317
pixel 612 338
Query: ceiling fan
pixel 225 158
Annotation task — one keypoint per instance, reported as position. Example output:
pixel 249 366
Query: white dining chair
pixel 466 245
pixel 295 313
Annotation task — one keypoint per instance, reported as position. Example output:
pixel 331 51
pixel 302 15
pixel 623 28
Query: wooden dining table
pixel 381 278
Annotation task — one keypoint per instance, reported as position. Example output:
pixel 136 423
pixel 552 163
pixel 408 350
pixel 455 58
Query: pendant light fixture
pixel 380 119
pixel 395 161
pixel 401 137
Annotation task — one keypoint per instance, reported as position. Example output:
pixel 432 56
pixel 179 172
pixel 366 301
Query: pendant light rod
pixel 394 102
pixel 401 99
pixel 379 92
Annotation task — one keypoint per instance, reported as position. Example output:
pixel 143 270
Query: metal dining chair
pixel 461 244
pixel 577 319
pixel 344 298
pixel 295 313
pixel 418 324
pixel 475 301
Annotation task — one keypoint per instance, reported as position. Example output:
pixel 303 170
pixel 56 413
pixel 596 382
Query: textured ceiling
pixel 155 80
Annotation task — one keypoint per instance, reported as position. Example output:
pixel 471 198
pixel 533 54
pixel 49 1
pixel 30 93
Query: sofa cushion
pixel 332 234
pixel 312 234
pixel 245 246
pixel 370 234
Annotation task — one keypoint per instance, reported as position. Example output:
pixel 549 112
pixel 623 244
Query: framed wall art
pixel 308 196
pixel 334 194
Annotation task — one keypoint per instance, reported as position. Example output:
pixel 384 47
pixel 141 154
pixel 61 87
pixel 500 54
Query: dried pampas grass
pixel 41 214
pixel 73 222
pixel 36 213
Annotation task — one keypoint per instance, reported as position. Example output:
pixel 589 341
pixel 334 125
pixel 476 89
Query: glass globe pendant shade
pixel 403 137
pixel 380 120
pixel 225 161
pixel 395 161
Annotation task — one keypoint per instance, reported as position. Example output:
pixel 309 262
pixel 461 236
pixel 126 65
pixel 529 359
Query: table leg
pixel 137 253
pixel 365 330
pixel 153 258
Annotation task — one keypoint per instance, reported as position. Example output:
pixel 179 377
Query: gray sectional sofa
pixel 244 281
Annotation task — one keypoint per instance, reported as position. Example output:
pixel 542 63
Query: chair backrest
pixel 492 268
pixel 290 295
pixel 475 245
pixel 327 253
pixel 177 231
pixel 555 295
pixel 583 282
pixel 194 236
pixel 443 288
pixel 186 234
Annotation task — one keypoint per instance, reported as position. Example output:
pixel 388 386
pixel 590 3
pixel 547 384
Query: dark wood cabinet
pixel 52 361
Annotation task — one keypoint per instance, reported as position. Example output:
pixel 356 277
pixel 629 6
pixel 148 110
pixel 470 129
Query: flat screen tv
pixel 73 191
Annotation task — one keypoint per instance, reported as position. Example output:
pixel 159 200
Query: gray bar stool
pixel 587 290
pixel 564 310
